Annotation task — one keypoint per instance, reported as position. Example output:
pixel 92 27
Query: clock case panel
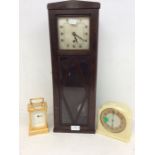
pixel 82 65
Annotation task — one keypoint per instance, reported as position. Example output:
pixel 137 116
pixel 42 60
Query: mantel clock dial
pixel 113 120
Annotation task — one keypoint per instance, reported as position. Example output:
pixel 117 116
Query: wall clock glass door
pixel 75 81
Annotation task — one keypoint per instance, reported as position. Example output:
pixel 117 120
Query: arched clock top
pixel 73 4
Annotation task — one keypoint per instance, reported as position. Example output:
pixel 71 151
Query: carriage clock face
pixel 38 119
pixel 113 120
pixel 73 33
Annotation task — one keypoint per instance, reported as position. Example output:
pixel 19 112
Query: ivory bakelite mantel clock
pixel 115 120
pixel 73 29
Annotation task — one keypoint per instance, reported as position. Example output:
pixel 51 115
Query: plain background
pixel 144 77
pixel 115 77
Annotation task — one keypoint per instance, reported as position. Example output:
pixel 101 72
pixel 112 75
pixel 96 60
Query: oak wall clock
pixel 73 29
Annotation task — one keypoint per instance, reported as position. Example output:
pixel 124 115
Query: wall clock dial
pixel 73 33
pixel 114 120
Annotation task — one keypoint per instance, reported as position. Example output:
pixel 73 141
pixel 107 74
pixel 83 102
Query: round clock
pixel 114 120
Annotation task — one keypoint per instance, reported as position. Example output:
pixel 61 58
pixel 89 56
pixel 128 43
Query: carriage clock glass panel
pixel 38 119
pixel 73 33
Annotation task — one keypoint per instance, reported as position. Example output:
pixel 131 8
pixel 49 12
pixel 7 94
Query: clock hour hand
pixel 75 35
pixel 39 115
pixel 75 39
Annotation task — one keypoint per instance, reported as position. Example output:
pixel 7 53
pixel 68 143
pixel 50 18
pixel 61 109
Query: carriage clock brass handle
pixel 39 99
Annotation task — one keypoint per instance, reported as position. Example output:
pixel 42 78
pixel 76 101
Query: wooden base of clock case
pixel 74 71
pixel 69 131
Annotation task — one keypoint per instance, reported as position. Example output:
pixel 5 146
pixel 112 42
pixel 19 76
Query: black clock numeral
pixel 86 26
pixel 61 40
pixel 61 33
pixel 61 26
pixel 73 46
pixel 67 45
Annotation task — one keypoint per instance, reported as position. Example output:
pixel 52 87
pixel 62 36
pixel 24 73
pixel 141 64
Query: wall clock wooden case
pixel 73 29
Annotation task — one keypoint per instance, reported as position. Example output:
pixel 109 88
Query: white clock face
pixel 113 120
pixel 38 119
pixel 73 33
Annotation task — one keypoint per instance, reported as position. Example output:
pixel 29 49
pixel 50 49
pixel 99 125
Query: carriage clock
pixel 73 29
pixel 37 109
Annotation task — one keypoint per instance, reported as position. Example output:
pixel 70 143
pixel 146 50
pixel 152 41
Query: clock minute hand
pixel 78 36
